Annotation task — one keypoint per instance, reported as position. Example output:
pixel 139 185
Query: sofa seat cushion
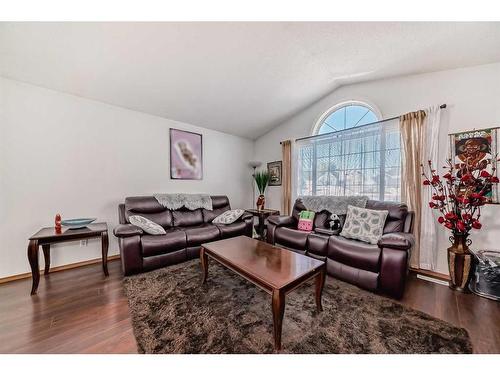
pixel 175 239
pixel 197 235
pixel 293 238
pixel 232 230
pixel 354 253
pixel 317 244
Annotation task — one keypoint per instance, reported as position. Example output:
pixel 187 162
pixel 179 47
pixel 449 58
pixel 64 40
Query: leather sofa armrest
pixel 281 220
pixel 127 230
pixel 245 216
pixel 397 240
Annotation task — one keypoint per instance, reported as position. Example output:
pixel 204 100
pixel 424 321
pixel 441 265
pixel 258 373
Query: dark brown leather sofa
pixel 382 267
pixel 186 231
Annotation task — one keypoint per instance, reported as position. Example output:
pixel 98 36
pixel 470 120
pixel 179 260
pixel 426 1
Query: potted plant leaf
pixel 262 180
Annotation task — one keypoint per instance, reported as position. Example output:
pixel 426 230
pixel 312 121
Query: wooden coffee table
pixel 277 271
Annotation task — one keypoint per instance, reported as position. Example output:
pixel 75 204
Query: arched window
pixel 345 116
pixel 351 153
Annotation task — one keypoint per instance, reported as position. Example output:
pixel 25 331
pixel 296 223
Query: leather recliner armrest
pixel 397 240
pixel 246 216
pixel 281 220
pixel 127 230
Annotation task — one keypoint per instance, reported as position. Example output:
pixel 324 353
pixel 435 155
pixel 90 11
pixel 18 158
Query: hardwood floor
pixel 75 311
pixel 79 311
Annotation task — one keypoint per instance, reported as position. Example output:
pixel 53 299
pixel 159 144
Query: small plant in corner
pixel 261 179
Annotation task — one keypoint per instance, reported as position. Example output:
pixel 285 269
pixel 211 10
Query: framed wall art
pixel 186 155
pixel 477 149
pixel 274 169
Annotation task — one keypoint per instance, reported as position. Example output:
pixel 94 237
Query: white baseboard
pixel 432 280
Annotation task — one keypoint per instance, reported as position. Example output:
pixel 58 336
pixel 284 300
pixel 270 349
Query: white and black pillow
pixel 228 217
pixel 364 224
pixel 146 225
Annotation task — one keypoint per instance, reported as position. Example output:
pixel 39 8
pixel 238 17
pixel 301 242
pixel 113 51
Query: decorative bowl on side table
pixel 77 223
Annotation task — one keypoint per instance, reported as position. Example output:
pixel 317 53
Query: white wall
pixel 472 96
pixel 65 154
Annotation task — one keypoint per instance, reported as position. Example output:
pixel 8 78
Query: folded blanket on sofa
pixel 190 201
pixel 333 204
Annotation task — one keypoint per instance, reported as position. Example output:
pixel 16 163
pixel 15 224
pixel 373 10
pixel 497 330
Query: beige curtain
pixel 286 194
pixel 412 142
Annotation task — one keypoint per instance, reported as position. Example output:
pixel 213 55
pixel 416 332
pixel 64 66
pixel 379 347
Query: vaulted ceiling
pixel 240 78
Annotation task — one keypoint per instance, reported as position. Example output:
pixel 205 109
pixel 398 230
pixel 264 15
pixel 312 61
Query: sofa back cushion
pixel 149 208
pixel 321 219
pixel 298 207
pixel 394 223
pixel 187 218
pixel 220 204
pixel 397 214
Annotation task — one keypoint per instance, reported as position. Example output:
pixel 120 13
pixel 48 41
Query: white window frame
pixel 336 107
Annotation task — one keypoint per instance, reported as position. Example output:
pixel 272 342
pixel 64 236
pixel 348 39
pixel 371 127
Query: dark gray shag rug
pixel 173 313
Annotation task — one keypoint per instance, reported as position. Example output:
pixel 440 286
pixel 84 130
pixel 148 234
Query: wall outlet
pixel 84 243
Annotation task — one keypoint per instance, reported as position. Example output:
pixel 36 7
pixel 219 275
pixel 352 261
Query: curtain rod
pixel 442 106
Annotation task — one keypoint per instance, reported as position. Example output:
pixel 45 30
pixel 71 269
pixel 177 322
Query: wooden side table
pixel 262 215
pixel 46 236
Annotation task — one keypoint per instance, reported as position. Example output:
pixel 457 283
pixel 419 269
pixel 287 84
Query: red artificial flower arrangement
pixel 459 194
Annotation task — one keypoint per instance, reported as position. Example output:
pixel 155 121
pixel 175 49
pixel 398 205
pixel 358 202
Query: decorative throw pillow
pixel 228 217
pixel 306 220
pixel 364 224
pixel 146 225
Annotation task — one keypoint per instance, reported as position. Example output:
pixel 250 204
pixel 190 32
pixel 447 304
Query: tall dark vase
pixel 460 262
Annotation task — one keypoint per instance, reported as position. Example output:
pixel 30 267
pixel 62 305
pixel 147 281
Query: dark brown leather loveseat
pixel 186 231
pixel 382 267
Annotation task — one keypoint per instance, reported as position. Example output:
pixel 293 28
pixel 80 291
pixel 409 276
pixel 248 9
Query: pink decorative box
pixel 306 220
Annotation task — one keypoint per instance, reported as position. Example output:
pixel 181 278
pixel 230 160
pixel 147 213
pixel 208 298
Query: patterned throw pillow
pixel 146 225
pixel 228 217
pixel 306 220
pixel 364 224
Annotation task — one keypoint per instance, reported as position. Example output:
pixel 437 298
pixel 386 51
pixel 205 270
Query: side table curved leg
pixel 46 256
pixel 35 269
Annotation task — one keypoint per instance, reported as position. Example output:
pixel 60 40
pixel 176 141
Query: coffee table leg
pixel 278 306
pixel 104 249
pixel 33 259
pixel 204 265
pixel 320 283
pixel 46 256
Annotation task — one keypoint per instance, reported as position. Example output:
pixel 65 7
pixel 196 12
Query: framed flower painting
pixel 186 155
